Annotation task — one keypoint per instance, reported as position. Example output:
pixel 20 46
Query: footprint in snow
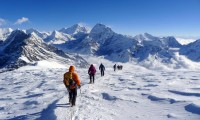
pixel 2 89
pixel 142 89
pixel 185 93
pixel 159 99
pixel 151 85
pixel 34 95
pixel 108 97
pixel 28 103
pixel 194 79
pixel 195 89
pixel 171 115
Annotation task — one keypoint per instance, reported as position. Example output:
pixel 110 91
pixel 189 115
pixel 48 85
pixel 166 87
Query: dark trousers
pixel 72 96
pixel 102 72
pixel 91 78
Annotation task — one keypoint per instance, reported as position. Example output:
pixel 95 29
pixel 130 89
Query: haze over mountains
pixel 21 47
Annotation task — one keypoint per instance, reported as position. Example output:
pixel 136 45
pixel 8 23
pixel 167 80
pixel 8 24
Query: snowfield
pixel 134 93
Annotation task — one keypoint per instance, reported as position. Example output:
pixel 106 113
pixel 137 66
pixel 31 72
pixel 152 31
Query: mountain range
pixel 21 47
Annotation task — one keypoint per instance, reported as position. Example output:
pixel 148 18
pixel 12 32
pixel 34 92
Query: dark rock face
pixel 13 50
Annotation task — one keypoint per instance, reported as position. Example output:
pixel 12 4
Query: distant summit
pixel 75 29
pixel 42 35
pixel 57 37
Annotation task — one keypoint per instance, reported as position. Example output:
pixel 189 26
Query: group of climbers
pixel 119 67
pixel 72 81
pixel 92 72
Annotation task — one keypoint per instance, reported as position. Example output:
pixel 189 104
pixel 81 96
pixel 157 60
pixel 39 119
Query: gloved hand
pixel 79 87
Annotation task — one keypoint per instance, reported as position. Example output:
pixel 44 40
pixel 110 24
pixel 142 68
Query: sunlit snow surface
pixel 134 93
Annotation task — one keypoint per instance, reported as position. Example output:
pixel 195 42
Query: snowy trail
pixel 89 104
pixel 127 95
pixel 133 93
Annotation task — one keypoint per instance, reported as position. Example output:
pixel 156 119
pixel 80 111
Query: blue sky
pixel 131 17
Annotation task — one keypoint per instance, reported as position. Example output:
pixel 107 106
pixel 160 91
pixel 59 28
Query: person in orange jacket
pixel 71 81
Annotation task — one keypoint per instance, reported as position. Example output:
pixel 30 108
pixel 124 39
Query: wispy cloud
pixel 21 20
pixel 2 22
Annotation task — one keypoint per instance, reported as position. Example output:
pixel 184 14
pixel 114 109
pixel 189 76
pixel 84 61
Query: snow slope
pixel 132 93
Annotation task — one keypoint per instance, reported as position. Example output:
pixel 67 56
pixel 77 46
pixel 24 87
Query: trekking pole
pixel 80 92
pixel 71 114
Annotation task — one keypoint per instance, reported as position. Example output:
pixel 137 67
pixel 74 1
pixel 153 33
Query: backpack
pixel 92 70
pixel 68 81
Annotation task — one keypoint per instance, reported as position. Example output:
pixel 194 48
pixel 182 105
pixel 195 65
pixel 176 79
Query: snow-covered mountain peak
pixel 99 28
pixel 39 34
pixel 56 34
pixel 170 38
pixel 20 37
pixel 57 37
pixel 31 30
pixel 77 28
pixel 145 37
pixel 17 33
pixel 35 36
pixel 101 32
pixel 170 42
